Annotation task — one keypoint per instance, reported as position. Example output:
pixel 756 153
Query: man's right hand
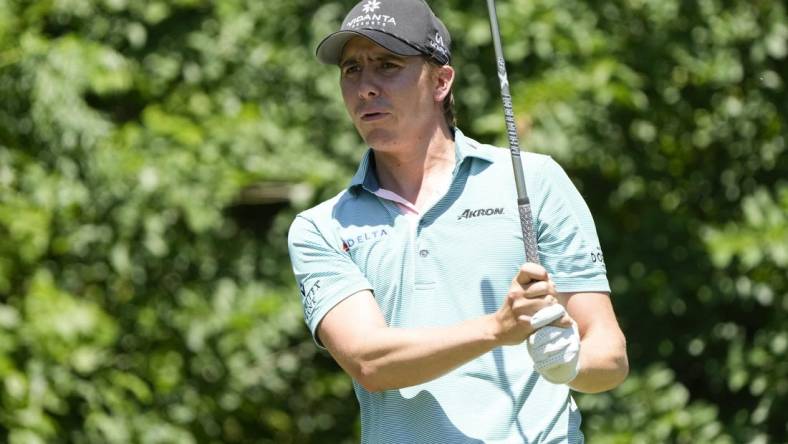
pixel 530 291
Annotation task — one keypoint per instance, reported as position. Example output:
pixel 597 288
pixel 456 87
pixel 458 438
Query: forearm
pixel 603 363
pixel 390 358
pixel 381 357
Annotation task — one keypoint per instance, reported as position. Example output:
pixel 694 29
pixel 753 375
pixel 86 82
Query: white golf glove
pixel 554 350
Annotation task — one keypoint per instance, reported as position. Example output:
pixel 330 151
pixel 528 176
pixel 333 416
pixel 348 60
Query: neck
pixel 421 170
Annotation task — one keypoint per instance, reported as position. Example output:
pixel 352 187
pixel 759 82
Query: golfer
pixel 414 276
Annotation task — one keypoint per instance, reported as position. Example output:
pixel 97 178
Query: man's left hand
pixel 556 352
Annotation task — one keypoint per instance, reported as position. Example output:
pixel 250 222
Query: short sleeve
pixel 568 243
pixel 325 274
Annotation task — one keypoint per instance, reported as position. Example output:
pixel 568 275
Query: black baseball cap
pixel 404 27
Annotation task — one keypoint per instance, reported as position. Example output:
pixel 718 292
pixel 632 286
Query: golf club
pixel 523 203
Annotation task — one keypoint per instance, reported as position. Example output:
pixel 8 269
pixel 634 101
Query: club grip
pixel 529 237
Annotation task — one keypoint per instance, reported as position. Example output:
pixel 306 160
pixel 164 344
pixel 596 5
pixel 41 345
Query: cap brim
pixel 329 51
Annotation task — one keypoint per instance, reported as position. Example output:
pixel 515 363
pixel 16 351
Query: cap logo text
pixel 371 20
pixel 437 44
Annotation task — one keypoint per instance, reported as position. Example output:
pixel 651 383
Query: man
pixel 413 277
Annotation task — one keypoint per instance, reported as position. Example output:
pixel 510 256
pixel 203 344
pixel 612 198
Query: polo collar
pixel 464 147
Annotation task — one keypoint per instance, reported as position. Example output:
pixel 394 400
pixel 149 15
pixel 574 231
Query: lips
pixel 373 115
pixel 370 113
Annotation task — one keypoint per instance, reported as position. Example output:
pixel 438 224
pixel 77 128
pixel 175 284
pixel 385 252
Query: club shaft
pixel 523 203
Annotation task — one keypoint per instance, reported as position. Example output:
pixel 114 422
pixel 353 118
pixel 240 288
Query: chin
pixel 379 138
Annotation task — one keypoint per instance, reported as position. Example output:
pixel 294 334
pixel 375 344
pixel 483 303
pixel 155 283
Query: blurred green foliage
pixel 136 306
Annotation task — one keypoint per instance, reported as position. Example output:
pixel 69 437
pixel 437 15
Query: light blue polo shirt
pixel 455 264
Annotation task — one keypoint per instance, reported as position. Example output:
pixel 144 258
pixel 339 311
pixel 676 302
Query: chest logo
pixel 354 241
pixel 468 214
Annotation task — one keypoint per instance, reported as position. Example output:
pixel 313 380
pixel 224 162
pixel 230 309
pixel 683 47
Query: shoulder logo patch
pixel 373 235
pixel 596 256
pixel 309 298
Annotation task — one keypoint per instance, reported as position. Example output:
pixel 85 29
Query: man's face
pixel 389 97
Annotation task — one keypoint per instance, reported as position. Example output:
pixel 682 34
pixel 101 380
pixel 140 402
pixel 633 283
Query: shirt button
pixel 424 253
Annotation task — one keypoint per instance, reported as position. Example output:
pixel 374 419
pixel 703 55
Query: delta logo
pixel 369 18
pixel 369 236
pixel 469 214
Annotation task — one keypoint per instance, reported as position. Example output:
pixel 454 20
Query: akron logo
pixel 468 214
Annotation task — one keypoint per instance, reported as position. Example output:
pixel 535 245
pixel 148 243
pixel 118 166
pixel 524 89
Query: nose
pixel 368 85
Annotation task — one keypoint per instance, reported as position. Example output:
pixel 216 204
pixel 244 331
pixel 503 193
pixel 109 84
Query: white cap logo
pixel 368 18
pixel 371 6
pixel 437 44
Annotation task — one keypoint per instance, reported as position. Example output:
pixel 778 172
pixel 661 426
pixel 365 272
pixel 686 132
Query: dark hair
pixel 448 110
pixel 448 101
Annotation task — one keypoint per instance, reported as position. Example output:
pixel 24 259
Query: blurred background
pixel 153 154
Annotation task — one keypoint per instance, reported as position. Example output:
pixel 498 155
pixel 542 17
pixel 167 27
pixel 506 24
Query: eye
pixel 349 69
pixel 389 65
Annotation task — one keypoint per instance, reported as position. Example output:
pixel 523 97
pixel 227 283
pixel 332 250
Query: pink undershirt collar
pixel 406 207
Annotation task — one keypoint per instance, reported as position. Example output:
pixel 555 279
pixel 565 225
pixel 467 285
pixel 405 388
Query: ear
pixel 444 79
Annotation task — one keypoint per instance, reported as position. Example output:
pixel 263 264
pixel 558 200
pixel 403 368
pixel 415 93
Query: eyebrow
pixel 383 57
